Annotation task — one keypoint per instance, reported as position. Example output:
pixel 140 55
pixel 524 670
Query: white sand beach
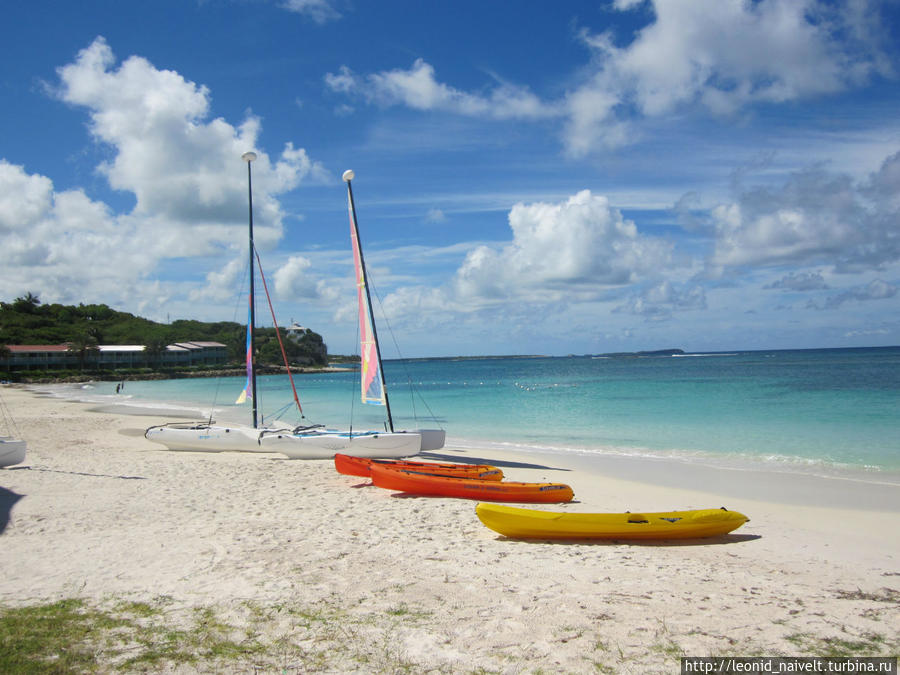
pixel 98 512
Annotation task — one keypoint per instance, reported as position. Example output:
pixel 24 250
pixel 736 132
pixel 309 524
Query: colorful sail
pixel 370 367
pixel 248 392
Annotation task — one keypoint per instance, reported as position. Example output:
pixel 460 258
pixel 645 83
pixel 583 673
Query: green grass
pixel 71 636
pixel 867 644
pixel 75 636
pixel 54 638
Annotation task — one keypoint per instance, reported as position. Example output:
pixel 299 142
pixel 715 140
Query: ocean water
pixel 815 411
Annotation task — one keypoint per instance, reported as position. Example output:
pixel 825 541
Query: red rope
pixel 277 331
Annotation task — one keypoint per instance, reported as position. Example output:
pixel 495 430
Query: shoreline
pixel 100 513
pixel 233 371
pixel 791 481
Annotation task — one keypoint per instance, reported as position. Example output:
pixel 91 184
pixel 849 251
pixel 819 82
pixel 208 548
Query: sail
pixel 370 367
pixel 248 391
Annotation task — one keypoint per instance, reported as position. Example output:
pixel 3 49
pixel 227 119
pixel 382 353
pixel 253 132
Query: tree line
pixel 27 321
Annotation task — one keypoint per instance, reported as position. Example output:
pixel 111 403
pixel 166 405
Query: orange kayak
pixel 360 466
pixel 431 485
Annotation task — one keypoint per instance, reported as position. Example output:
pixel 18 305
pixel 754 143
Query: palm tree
pixel 82 345
pixel 27 303
pixel 5 353
pixel 154 350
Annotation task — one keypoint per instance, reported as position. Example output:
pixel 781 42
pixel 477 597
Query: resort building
pixel 64 356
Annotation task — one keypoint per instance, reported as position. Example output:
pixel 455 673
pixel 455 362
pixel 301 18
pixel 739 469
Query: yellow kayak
pixel 519 523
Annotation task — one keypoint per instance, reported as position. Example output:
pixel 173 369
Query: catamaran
pixel 12 448
pixel 310 443
pixel 300 442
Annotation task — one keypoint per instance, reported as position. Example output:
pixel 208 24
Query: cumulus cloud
pixel 560 253
pixel 721 56
pixel 418 88
pixel 294 279
pixel 222 282
pixel 63 243
pixel 816 217
pixel 183 168
pixel 291 279
pixel 179 165
pixel 24 199
pixel 582 240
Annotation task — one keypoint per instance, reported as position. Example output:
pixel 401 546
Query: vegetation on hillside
pixel 27 321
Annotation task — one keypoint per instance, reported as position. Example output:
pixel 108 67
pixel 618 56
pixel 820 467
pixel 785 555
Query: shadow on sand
pixel 720 540
pixel 502 464
pixel 83 473
pixel 7 499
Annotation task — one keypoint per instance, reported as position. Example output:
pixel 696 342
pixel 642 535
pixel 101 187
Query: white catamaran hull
pixel 432 439
pixel 12 451
pixel 325 444
pixel 206 438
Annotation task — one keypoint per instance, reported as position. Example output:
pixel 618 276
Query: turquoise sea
pixel 821 411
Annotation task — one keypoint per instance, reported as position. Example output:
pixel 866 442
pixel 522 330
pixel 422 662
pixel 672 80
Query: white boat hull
pixel 326 444
pixel 12 451
pixel 432 439
pixel 205 438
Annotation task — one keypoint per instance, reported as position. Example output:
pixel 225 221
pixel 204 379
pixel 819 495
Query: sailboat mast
pixel 251 326
pixel 348 178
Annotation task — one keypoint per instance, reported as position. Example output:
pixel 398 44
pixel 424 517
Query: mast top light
pixel 348 175
pixel 248 156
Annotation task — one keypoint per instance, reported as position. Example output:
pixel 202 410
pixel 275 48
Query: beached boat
pixel 208 436
pixel 309 444
pixel 359 466
pixel 12 451
pixel 520 523
pixel 417 482
pixel 302 442
pixel 12 448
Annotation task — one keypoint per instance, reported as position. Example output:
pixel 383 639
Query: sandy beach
pixel 330 574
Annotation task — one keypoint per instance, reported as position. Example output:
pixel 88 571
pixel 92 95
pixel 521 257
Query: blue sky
pixel 532 177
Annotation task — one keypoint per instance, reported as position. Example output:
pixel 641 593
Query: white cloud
pixel 418 88
pixel 723 56
pixel 661 300
pixel 291 279
pixel 63 244
pixel 221 283
pixel 816 217
pixel 580 241
pixel 563 252
pixel 179 166
pixel 23 198
pixel 320 11
pixel 719 55
pixel 184 169
pixel 294 280
pixel 878 289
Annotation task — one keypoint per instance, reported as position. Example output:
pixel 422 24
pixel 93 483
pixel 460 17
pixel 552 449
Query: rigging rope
pixel 278 333
pixel 413 390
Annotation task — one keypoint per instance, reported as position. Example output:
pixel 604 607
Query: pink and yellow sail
pixel 370 365
pixel 248 391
